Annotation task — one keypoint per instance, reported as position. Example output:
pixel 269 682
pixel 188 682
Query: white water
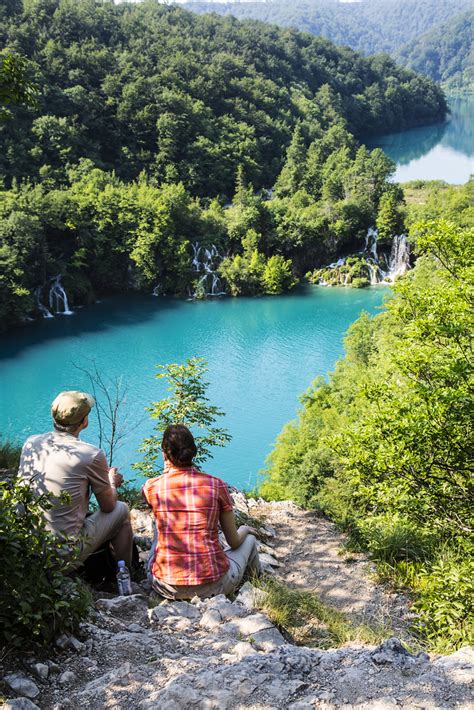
pixel 398 260
pixel 57 299
pixel 205 261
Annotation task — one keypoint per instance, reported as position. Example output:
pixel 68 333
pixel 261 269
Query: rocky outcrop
pixel 145 653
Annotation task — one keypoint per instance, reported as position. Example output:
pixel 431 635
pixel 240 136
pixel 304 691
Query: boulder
pixel 19 704
pixel 119 604
pixel 166 610
pixel 22 685
pixel 250 597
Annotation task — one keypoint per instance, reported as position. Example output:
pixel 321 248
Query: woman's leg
pixel 243 558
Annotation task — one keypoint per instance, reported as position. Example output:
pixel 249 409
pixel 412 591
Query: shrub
pixel 360 282
pixel 445 594
pixel 37 598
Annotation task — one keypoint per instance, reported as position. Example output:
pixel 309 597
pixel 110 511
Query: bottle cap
pixel 121 563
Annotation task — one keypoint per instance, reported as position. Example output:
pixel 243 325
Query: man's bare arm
pixel 107 498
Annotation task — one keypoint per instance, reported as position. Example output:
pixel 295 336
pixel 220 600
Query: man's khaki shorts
pixel 100 527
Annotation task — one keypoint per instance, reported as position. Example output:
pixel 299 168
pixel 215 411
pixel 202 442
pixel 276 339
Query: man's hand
pixel 115 478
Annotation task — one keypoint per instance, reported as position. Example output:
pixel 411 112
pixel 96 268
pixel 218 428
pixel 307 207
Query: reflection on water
pixel 443 151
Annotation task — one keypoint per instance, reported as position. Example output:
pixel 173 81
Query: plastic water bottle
pixel 124 582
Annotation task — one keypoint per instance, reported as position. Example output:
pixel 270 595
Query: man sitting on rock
pixel 58 462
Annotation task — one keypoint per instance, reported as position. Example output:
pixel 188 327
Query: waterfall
pixel 371 243
pixel 40 306
pixel 205 261
pixel 57 297
pixel 381 268
pixel 399 261
pixel 156 290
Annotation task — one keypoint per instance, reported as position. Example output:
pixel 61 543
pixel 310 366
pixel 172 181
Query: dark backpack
pixel 101 568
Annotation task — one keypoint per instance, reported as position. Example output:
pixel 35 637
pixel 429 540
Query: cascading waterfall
pixel 205 261
pixel 399 261
pixel 383 268
pixel 40 306
pixel 57 299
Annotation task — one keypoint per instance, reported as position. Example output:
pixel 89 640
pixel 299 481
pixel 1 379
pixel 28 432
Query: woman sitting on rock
pixel 187 558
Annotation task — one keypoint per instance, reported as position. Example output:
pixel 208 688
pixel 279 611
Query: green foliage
pixel 15 86
pixel 187 404
pixel 445 53
pixel 9 456
pixel 37 598
pixel 186 98
pixel 385 447
pixel 371 27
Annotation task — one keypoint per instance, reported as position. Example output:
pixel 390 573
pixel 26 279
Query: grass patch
pixel 310 622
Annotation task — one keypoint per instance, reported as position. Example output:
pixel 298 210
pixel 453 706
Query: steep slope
pixel 221 655
pixel 446 54
pixel 155 88
pixel 370 26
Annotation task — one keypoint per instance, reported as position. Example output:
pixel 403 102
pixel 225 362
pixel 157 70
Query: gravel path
pixel 311 553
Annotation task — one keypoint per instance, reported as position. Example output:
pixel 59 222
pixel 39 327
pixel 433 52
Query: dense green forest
pixel 375 26
pixel 156 134
pixel 147 87
pixel 445 54
pixel 370 27
pixel 384 447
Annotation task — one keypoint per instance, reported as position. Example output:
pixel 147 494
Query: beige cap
pixel 71 407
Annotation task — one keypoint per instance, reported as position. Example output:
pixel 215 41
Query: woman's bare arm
pixel 233 536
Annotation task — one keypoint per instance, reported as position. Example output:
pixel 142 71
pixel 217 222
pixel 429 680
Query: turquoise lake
pixel 442 151
pixel 262 353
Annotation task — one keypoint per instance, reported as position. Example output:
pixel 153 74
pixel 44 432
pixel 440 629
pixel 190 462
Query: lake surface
pixel 442 151
pixel 262 353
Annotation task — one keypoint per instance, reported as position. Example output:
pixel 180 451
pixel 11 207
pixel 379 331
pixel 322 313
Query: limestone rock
pixel 393 652
pixel 19 704
pixel 162 612
pixel 142 522
pixel 251 597
pixel 266 559
pixel 243 649
pixel 41 670
pixel 22 685
pixel 119 604
pixel 67 677
pixel 459 665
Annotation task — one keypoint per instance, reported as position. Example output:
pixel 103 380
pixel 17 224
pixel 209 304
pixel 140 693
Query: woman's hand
pixel 245 530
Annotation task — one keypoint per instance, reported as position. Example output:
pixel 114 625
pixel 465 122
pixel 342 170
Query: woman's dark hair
pixel 178 444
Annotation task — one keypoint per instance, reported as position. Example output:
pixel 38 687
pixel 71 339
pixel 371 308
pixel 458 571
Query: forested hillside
pixel 385 446
pixel 446 54
pixel 157 134
pixel 147 87
pixel 370 27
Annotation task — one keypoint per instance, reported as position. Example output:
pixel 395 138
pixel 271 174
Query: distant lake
pixel 262 353
pixel 442 151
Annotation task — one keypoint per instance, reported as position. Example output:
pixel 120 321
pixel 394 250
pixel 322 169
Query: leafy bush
pixel 445 601
pixel 37 598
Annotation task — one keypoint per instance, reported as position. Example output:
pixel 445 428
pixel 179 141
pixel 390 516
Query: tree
pixel 188 405
pixel 277 276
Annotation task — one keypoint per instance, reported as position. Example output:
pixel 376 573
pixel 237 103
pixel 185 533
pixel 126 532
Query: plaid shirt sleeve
pixel 225 501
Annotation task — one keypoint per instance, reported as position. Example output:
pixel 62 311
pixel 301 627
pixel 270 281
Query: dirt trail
pixel 311 554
